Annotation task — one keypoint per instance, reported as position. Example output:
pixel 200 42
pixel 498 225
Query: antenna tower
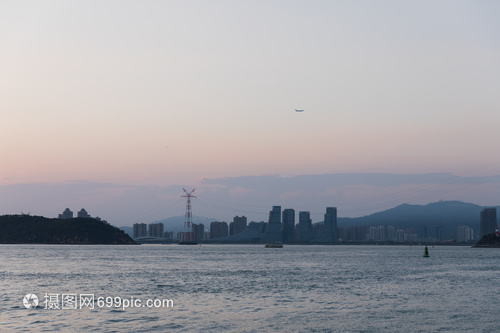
pixel 188 236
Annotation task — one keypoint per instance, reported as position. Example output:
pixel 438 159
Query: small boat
pixel 426 253
pixel 274 245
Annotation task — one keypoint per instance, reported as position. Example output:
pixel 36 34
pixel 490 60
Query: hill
pixel 22 229
pixel 447 214
pixel 489 240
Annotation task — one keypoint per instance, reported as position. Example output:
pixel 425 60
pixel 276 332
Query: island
pixel 489 240
pixel 27 229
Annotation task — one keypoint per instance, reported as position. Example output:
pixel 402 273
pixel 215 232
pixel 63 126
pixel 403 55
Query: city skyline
pixel 281 227
pixel 116 106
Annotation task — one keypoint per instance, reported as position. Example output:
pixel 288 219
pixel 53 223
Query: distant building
pixel 377 234
pixel 218 230
pixel 305 233
pixel 423 232
pixel 67 214
pixel 252 234
pixel 168 235
pixel 373 233
pixel 439 232
pixel 400 235
pixel 488 221
pixel 362 233
pixel 381 233
pixel 329 231
pixel 351 234
pixel 317 229
pixel 238 225
pixel 156 230
pixel 464 234
pixel 273 227
pixel 341 233
pixel 83 213
pixel 391 233
pixel 199 232
pixel 288 229
pixel 140 230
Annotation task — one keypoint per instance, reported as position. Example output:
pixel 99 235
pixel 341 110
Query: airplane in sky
pixel 299 110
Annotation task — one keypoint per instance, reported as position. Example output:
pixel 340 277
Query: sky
pixel 115 106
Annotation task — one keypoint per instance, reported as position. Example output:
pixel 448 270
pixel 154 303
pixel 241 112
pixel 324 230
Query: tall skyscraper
pixel 305 233
pixel 288 230
pixel 140 230
pixel 488 221
pixel 329 232
pixel 273 227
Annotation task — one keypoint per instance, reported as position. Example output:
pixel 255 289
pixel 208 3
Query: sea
pixel 248 288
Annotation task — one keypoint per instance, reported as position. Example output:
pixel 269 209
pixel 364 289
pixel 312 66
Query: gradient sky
pixel 167 93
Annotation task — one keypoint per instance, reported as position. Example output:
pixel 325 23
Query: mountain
pixel 27 229
pixel 447 214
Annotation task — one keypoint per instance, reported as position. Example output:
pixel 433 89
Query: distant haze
pixel 115 106
pixel 353 194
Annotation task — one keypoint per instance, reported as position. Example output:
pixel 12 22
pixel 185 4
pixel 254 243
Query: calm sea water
pixel 248 288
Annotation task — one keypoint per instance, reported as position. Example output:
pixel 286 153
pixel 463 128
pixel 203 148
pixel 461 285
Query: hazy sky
pixel 156 94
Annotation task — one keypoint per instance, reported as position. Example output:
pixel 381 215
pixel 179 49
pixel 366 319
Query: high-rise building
pixel 351 234
pixel 198 231
pixel 67 214
pixel 168 235
pixel 238 225
pixel 305 233
pixel 381 233
pixel 273 227
pixel 464 234
pixel 218 230
pixel 400 235
pixel 156 230
pixel 329 232
pixel 488 221
pixel 140 230
pixel 373 233
pixel 362 233
pixel 288 230
pixel 391 233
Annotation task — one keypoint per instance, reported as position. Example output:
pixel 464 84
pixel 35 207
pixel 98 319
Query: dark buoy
pixel 426 253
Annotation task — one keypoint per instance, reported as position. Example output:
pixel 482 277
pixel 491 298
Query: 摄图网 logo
pixel 30 301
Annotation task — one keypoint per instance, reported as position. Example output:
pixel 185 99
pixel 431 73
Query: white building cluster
pixel 68 214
